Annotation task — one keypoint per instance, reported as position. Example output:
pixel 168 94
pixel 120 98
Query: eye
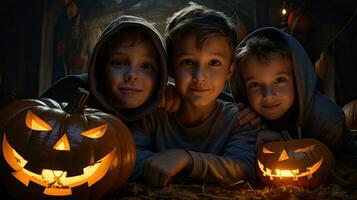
pixel 148 67
pixel 253 85
pixel 214 62
pixel 280 80
pixel 35 123
pixel 118 63
pixel 305 149
pixel 265 150
pixel 186 62
pixel 95 132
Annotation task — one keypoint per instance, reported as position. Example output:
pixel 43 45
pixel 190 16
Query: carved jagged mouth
pixel 292 173
pixel 56 182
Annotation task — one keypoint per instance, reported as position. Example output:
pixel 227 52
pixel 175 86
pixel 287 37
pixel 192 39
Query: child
pixel 202 139
pixel 127 72
pixel 275 76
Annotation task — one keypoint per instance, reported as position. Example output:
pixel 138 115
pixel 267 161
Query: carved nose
pixel 283 156
pixel 62 144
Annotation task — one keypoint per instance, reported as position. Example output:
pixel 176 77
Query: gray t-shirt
pixel 221 149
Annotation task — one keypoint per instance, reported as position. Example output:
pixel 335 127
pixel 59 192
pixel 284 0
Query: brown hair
pixel 201 21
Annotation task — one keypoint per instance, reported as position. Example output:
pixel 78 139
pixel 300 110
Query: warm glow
pixel 305 149
pixel 95 132
pixel 62 144
pixel 56 181
pixel 283 11
pixel 292 173
pixel 265 150
pixel 35 123
pixel 283 156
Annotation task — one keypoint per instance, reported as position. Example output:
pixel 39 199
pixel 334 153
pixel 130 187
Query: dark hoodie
pixel 317 116
pixel 63 89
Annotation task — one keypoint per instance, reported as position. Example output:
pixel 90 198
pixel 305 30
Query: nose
pixel 62 144
pixel 131 74
pixel 283 156
pixel 199 75
pixel 268 92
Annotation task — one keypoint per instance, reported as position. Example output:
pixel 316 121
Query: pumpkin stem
pixel 78 101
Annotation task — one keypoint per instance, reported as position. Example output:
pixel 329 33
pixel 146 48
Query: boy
pixel 275 76
pixel 127 71
pixel 202 139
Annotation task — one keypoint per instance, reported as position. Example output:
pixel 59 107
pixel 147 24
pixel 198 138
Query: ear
pixel 230 70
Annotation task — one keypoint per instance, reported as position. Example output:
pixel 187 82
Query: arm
pixel 144 148
pixel 236 163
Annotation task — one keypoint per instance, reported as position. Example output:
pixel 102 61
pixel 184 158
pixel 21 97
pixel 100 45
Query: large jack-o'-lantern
pixel 57 150
pixel 299 162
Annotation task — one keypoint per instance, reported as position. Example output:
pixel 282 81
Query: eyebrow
pixel 280 73
pixel 184 53
pixel 122 53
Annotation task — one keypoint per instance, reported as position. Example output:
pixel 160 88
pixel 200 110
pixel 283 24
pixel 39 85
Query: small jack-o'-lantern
pixel 350 110
pixel 299 162
pixel 51 149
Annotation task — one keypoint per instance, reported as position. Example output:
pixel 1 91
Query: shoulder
pixel 326 109
pixel 225 107
pixel 325 112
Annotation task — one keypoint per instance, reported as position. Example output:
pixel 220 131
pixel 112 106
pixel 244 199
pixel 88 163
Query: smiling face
pixel 131 72
pixel 299 162
pixel 200 72
pixel 269 86
pixel 50 152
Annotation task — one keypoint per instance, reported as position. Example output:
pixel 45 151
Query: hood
pixel 97 86
pixel 303 69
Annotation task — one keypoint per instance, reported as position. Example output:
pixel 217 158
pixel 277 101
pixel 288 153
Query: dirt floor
pixel 342 186
pixel 240 191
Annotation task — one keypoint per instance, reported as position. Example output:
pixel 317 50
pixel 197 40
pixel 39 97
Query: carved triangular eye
pixel 35 123
pixel 305 149
pixel 95 132
pixel 265 150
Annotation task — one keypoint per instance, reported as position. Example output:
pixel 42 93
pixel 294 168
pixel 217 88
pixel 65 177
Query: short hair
pixel 263 47
pixel 202 21
pixel 128 35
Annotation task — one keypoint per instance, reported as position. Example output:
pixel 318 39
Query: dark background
pixel 44 40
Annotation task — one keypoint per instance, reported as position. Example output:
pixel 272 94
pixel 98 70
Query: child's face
pixel 200 72
pixel 269 86
pixel 131 71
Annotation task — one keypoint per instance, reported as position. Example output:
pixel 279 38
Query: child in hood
pixel 127 71
pixel 277 79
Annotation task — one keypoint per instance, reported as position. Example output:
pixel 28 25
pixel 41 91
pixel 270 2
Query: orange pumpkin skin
pixel 350 110
pixel 110 155
pixel 301 162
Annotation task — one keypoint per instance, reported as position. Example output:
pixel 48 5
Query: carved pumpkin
pixel 299 162
pixel 350 110
pixel 50 149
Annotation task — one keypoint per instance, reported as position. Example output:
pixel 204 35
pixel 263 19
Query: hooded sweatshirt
pixel 317 116
pixel 63 89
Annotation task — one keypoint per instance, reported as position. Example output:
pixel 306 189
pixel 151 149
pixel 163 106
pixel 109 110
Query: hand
pixel 171 101
pixel 161 168
pixel 265 136
pixel 247 115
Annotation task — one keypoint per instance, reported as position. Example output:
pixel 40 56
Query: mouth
pixel 271 106
pixel 130 90
pixel 199 90
pixel 56 182
pixel 290 173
